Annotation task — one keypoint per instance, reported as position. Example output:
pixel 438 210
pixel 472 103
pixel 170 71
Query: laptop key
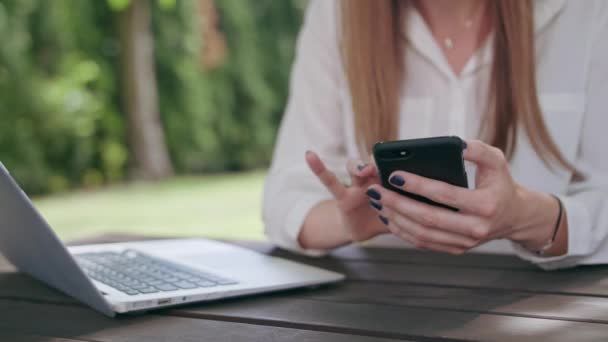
pixel 224 281
pixel 132 272
pixel 148 290
pixel 185 285
pixel 166 287
pixel 204 283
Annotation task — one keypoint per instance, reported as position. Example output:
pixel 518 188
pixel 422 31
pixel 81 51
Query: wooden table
pixel 390 295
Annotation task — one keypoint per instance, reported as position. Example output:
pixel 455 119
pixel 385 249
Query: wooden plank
pixel 72 322
pixel 394 320
pixel 18 337
pixel 401 256
pixel 499 302
pixel 472 270
pixel 18 286
pixel 584 281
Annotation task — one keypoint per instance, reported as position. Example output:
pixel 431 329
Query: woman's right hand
pixel 359 221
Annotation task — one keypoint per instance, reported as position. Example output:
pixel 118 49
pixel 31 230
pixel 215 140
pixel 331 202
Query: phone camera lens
pixel 394 154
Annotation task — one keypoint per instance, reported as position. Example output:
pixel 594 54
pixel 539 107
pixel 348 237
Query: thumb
pixel 483 155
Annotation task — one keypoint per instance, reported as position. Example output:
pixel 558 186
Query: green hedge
pixel 62 122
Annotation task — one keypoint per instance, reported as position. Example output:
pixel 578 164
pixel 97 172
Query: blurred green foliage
pixel 62 123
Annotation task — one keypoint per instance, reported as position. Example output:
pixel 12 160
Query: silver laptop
pixel 138 276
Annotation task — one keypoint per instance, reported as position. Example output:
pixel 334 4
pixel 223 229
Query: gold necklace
pixel 448 42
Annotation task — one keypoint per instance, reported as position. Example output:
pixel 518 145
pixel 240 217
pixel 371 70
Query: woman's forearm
pixel 323 228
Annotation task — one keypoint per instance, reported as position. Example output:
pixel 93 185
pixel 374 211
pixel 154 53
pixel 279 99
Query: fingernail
pixel 374 194
pixel 308 152
pixel 383 219
pixel 397 180
pixel 362 166
pixel 376 205
pixel 464 144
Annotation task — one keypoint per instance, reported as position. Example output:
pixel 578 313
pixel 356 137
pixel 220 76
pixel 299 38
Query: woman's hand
pixel 497 208
pixel 359 221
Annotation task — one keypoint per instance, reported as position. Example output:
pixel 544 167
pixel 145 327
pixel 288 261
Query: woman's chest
pixel 433 104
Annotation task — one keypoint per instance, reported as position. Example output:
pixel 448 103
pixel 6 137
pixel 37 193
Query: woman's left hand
pixel 497 208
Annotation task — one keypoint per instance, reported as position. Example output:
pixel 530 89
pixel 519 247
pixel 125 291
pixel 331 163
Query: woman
pixel 528 78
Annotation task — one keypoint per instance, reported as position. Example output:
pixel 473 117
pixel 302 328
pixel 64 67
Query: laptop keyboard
pixel 136 273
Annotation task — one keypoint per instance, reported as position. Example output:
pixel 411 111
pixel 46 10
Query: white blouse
pixel 572 76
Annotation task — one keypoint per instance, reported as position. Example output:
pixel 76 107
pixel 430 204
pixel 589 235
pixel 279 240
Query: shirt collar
pixel 545 11
pixel 420 37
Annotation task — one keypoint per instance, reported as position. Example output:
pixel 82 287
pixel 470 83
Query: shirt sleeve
pixel 312 121
pixel 586 201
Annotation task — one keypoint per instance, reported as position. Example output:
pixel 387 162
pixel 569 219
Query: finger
pixel 425 214
pixel 371 174
pixel 454 196
pixel 369 169
pixel 358 171
pixel 328 178
pixel 373 164
pixel 426 235
pixel 484 155
pixel 404 235
pixel 372 160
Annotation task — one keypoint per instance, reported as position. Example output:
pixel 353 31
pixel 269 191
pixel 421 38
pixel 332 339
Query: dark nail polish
pixel 377 206
pixel 374 194
pixel 464 144
pixel 361 166
pixel 397 180
pixel 383 219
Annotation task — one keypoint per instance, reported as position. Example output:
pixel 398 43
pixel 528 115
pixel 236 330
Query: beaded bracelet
pixel 549 244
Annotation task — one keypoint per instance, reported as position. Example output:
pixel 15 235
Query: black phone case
pixel 438 158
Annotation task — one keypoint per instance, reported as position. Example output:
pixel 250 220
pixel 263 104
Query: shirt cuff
pixel 579 234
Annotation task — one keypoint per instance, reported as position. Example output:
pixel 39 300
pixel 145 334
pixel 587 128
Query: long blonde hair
pixel 372 46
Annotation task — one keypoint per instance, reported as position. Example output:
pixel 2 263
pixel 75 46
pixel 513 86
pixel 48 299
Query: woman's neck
pixel 458 26
pixel 450 13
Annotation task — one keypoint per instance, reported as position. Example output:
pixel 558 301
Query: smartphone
pixel 438 158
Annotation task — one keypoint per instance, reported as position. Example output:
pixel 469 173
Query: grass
pixel 215 206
